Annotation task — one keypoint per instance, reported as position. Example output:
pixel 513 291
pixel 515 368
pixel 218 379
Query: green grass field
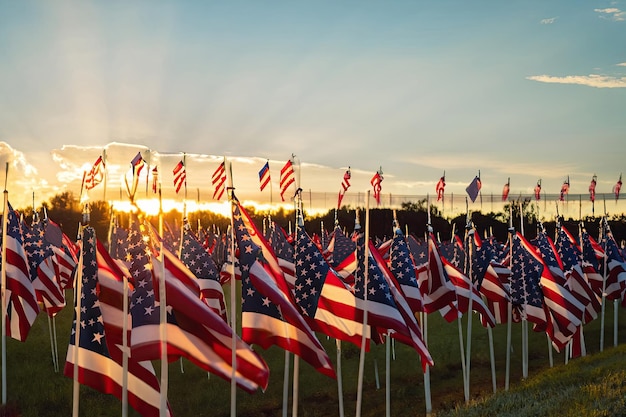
pixel 578 388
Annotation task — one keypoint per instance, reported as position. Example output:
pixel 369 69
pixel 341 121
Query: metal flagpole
pixel 359 394
pixel 296 358
pixel 4 286
pixel 77 311
pixel 233 297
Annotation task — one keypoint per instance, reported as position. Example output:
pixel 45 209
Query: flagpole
pixel 77 312
pixel 359 395
pixel 233 298
pixel 125 349
pixel 296 358
pixel 4 286
pixel 509 314
pixel 104 162
pixel 470 235
pixel 424 315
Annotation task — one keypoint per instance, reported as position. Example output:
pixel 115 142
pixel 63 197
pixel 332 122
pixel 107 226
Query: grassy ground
pixel 587 386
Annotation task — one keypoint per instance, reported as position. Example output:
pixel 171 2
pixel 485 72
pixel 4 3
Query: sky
pixel 515 90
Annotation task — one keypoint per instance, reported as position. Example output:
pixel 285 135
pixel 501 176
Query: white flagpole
pixel 388 375
pixel 468 354
pixel 233 297
pixel 296 358
pixel 55 363
pixel 77 312
pixel 125 349
pixel 359 394
pixel 427 392
pixel 509 314
pixel 524 321
pixel 339 379
pixel 104 161
pixel 4 286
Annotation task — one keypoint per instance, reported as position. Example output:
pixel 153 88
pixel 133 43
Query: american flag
pixel 325 301
pixel 419 251
pixel 438 292
pixel 287 177
pixel 616 268
pixel 277 238
pixel 96 174
pixel 538 191
pixel 218 179
pixel 100 364
pixel 22 308
pixel 136 166
pixel 180 176
pixel 617 187
pixel 42 271
pixel 155 179
pixel 474 188
pixel 345 184
pixel 592 252
pixel 564 189
pixel 592 189
pixel 376 182
pixel 341 255
pixel 505 190
pixel 198 260
pixel 494 280
pixel 440 187
pixel 264 176
pixel 270 315
pixel 403 268
pixel 458 252
pixel 65 253
pixel 228 269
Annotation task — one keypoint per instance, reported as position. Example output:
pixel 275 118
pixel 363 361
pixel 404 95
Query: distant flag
pixel 592 188
pixel 564 189
pixel 96 174
pixel 617 187
pixel 180 176
pixel 287 177
pixel 440 187
pixel 345 184
pixel 219 181
pixel 538 190
pixel 376 181
pixel 136 165
pixel 474 188
pixel 506 189
pixel 264 175
pixel 155 179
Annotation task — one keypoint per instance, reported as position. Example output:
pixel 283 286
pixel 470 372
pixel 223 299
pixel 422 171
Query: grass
pixel 594 386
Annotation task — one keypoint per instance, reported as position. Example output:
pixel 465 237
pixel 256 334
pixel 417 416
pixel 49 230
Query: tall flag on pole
pixel 506 189
pixel 538 190
pixel 345 184
pixel 264 176
pixel 180 176
pixel 376 181
pixel 136 165
pixel 617 187
pixel 100 363
pixel 219 181
pixel 440 187
pixel 592 188
pixel 287 177
pixel 155 179
pixel 474 188
pixel 564 189
pixel 96 174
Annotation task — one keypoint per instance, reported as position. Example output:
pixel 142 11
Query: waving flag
pixel 341 255
pixel 287 177
pixel 376 181
pixel 592 253
pixel 345 184
pixel 96 174
pixel 538 190
pixel 564 189
pixel 20 298
pixel 136 165
pixel 155 179
pixel 180 176
pixel 506 189
pixel 474 188
pixel 440 187
pixel 403 268
pixel 592 188
pixel 264 175
pixel 100 364
pixel 616 268
pixel 617 187
pixel 218 179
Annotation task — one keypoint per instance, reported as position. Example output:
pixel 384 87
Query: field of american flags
pixel 35 388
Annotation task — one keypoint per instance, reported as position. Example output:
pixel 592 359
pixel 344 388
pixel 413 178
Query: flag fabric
pixel 194 330
pixel 96 174
pixel 325 301
pixel 198 260
pixel 505 190
pixel 564 189
pixel 592 253
pixel 21 300
pixel 341 255
pixel 538 191
pixel 65 253
pixel 617 187
pixel 218 179
pixel 42 270
pixel 136 166
pixel 376 182
pixel 592 189
pixel 615 266
pixel 264 176
pixel 277 238
pixel 440 187
pixel 155 179
pixel 180 176
pixel 100 364
pixel 287 177
pixel 403 268
pixel 270 315
pixel 345 184
pixel 474 188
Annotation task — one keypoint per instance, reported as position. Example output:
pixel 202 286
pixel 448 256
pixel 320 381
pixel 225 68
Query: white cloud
pixel 591 80
pixel 548 21
pixel 612 13
pixel 622 64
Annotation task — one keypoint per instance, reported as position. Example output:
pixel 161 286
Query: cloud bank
pixel 591 80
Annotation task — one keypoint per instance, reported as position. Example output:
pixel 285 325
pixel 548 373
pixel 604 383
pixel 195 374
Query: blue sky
pixel 519 89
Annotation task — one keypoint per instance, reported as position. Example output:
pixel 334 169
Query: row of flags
pixel 292 287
